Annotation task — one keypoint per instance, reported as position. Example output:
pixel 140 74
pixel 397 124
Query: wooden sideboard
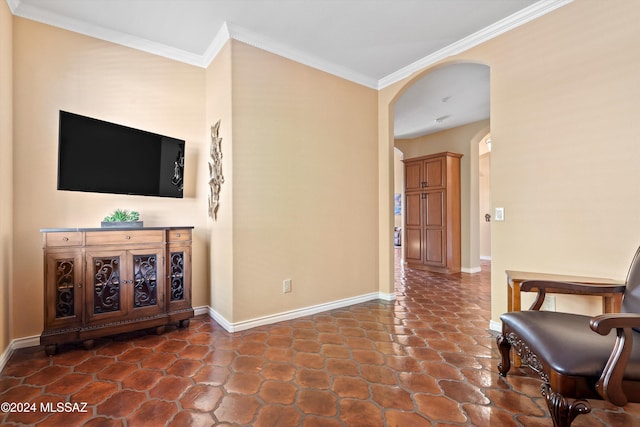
pixel 106 281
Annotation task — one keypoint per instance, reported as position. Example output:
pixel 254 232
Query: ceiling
pixel 371 42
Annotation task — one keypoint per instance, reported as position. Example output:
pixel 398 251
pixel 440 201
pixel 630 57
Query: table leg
pixel 515 306
pixel 611 303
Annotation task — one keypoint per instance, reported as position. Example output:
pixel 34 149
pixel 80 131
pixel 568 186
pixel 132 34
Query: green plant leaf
pixel 122 215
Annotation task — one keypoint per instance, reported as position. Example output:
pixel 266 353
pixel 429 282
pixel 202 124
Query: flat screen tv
pixel 102 157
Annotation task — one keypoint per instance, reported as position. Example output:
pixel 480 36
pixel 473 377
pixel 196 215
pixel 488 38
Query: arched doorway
pixel 452 101
pixel 484 197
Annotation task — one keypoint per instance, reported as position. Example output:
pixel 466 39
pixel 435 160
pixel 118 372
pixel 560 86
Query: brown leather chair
pixel 576 356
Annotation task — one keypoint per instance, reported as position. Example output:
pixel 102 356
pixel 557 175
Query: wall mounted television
pixel 102 157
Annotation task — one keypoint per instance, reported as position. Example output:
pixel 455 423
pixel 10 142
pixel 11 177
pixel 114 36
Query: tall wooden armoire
pixel 432 212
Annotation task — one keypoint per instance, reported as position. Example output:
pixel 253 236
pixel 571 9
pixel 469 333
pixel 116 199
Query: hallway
pixel 426 359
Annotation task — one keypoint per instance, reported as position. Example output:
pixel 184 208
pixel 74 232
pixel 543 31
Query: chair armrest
pixel 609 386
pixel 548 286
pixel 603 323
pixel 571 287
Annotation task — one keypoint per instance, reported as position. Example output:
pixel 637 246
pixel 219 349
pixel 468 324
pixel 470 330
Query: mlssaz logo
pixel 63 407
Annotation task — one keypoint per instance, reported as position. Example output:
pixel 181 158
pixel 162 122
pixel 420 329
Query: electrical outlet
pixel 286 286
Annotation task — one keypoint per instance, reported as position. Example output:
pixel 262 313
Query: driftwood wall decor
pixel 215 171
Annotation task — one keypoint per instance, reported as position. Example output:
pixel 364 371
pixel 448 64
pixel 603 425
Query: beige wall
pixel 558 91
pixel 6 173
pixel 57 69
pixel 462 140
pixel 304 185
pixel 564 98
pixel 219 107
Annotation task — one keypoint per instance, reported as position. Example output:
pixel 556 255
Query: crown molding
pixel 226 32
pixel 236 32
pixel 256 40
pixel 218 42
pixel 37 14
pixel 13 5
pixel 510 22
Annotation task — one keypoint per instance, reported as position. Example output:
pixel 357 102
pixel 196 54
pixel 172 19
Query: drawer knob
pixel 177 234
pixel 65 239
pixel 79 285
pixel 127 237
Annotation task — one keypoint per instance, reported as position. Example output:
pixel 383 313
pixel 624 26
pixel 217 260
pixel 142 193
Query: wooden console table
pixel 106 281
pixel 611 301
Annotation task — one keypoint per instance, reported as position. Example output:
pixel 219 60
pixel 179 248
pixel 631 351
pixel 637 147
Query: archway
pixel 461 134
pixel 484 185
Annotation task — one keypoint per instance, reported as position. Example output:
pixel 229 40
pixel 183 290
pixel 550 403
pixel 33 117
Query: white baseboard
pixel 294 314
pixel 495 325
pixel 229 326
pixel 204 309
pixel 387 297
pixel 471 270
pixel 485 257
pixel 16 344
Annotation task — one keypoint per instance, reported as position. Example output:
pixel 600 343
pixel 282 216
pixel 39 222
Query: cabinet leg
pixel 51 349
pixel 160 330
pixel 87 344
pixel 183 323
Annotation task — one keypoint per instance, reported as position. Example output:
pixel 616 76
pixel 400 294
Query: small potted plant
pixel 122 218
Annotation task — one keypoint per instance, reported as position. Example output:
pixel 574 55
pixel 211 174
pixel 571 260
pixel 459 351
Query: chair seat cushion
pixel 566 343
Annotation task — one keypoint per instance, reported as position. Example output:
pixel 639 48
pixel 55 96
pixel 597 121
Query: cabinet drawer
pixel 179 235
pixel 71 238
pixel 124 237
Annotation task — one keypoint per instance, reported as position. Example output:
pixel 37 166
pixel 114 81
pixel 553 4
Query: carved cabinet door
pixel 145 281
pixel 64 293
pixel 106 290
pixel 178 284
pixel 125 283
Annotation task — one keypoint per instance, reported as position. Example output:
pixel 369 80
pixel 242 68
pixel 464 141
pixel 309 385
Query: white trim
pixel 203 309
pixel 530 13
pixel 25 342
pixel 38 14
pixel 221 320
pixel 5 356
pixel 485 258
pixel 249 37
pixel 495 325
pixel 471 270
pixel 387 297
pixel 295 314
pixel 222 36
pixel 232 31
pixel 13 5
pixel 228 326
pixel 15 345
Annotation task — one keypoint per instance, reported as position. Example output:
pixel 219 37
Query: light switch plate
pixel 499 214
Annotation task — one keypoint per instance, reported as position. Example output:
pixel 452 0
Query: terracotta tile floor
pixel 426 359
